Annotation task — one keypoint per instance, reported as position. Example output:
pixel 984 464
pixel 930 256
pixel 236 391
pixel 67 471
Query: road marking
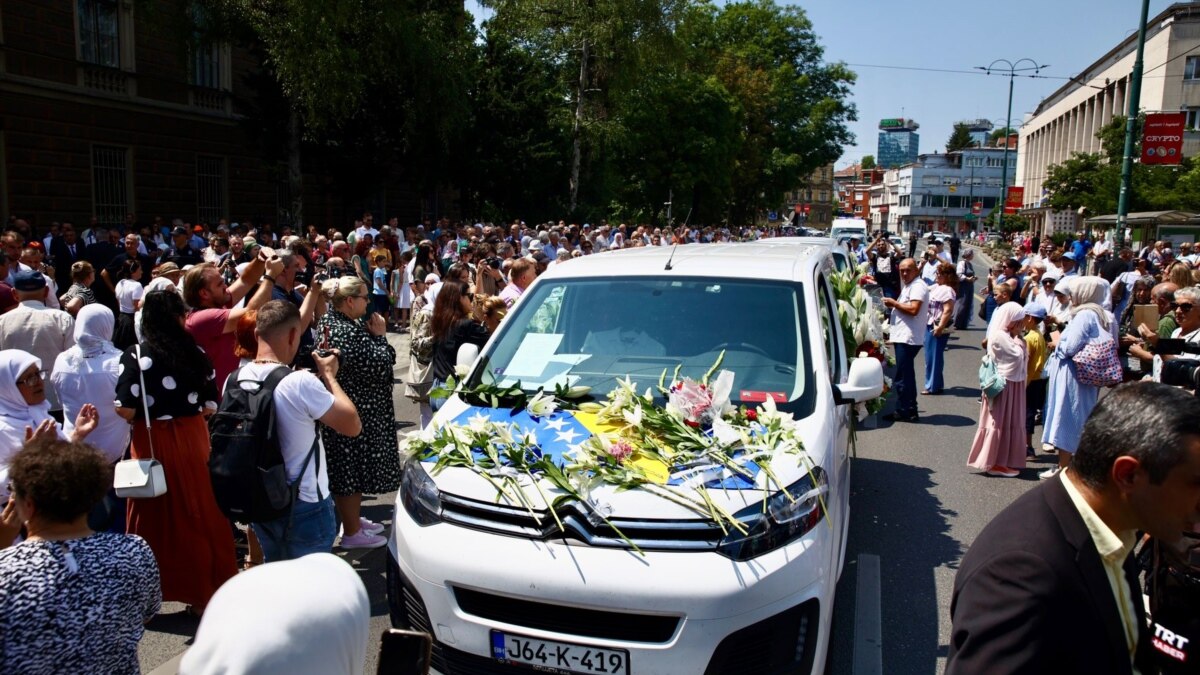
pixel 868 618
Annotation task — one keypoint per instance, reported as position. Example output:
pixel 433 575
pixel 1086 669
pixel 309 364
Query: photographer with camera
pixel 1187 317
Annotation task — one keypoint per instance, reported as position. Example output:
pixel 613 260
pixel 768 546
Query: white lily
pixel 578 391
pixel 541 405
pixel 479 423
pixel 633 416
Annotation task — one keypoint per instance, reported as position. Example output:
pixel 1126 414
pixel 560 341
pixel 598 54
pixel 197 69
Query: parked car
pixel 502 589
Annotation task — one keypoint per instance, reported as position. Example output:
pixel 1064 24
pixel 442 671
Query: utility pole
pixel 1135 95
pixel 1013 70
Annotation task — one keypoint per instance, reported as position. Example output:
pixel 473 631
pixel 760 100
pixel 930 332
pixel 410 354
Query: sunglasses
pixel 1184 307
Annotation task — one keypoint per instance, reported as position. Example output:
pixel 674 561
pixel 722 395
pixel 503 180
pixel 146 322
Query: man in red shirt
pixel 214 318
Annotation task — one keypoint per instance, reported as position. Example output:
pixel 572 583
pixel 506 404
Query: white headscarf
pixel 1007 352
pixel 297 617
pixel 93 330
pixel 1087 293
pixel 14 411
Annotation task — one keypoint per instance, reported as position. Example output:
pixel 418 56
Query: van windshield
pixel 591 332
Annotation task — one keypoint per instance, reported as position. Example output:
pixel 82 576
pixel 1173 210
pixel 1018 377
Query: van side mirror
pixel 864 383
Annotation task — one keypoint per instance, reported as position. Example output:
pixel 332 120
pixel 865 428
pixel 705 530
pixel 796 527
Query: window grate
pixel 210 189
pixel 99 41
pixel 110 183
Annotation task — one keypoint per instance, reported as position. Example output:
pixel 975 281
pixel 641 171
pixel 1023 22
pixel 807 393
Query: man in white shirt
pixel 301 400
pixel 907 335
pixel 367 227
pixel 1099 252
pixel 36 328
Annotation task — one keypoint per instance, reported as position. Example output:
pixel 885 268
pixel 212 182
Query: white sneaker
pixel 370 526
pixel 362 539
pixel 1049 473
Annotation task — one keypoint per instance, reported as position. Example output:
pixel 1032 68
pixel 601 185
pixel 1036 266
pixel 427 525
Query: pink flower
pixel 620 451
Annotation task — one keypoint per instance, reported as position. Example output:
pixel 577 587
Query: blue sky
pixel 1068 35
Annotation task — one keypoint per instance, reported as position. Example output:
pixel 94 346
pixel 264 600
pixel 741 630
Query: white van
pixel 502 589
pixel 848 226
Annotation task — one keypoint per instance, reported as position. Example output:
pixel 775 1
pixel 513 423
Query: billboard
pixel 1162 138
pixel 892 123
pixel 1015 199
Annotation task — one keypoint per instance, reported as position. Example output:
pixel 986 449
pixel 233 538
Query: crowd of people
pixel 156 324
pixel 122 342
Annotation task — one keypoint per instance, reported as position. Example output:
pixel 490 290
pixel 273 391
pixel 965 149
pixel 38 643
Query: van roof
pixel 778 258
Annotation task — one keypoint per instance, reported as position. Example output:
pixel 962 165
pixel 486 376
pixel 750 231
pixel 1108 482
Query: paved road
pixel 914 503
pixel 918 507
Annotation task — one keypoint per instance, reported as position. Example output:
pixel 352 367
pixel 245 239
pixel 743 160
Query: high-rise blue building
pixel 899 142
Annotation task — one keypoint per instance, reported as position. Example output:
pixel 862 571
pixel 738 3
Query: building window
pixel 206 66
pixel 110 183
pixel 858 208
pixel 1193 118
pixel 993 182
pixel 1191 68
pixel 950 180
pixel 210 189
pixel 904 200
pixel 974 161
pixel 99 39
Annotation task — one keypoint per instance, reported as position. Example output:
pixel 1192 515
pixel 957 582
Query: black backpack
pixel 249 478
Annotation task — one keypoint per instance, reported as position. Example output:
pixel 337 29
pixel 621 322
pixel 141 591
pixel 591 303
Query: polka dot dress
pixel 169 394
pixel 370 462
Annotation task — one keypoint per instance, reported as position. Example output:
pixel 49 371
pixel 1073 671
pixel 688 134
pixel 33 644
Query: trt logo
pixel 1169 643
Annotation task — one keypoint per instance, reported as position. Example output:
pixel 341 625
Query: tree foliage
pixel 868 162
pixel 960 138
pixel 720 109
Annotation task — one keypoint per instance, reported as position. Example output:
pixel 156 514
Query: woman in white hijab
pixel 1069 402
pixel 308 616
pixel 24 412
pixel 87 373
pixel 999 445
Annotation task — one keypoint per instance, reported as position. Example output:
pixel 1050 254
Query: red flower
pixel 752 415
pixel 692 423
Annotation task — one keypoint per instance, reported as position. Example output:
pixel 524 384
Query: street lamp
pixel 1013 70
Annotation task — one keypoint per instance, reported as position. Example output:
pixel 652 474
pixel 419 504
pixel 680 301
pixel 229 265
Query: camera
pixel 1182 373
pixel 493 262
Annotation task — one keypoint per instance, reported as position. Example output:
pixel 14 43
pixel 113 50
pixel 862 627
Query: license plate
pixel 558 657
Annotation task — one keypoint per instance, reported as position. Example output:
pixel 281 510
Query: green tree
pixel 868 162
pixel 681 135
pixel 519 146
pixel 359 71
pixel 960 138
pixel 794 106
pixel 599 46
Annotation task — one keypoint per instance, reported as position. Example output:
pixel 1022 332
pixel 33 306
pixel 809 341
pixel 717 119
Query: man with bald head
pixel 907 335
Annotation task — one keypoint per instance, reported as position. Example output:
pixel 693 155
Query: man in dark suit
pixel 66 250
pixel 1049 586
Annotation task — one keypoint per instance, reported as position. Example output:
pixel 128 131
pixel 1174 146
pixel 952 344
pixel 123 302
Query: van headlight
pixel 790 514
pixel 420 495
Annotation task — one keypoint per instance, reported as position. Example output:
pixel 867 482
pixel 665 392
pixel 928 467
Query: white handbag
pixel 140 478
